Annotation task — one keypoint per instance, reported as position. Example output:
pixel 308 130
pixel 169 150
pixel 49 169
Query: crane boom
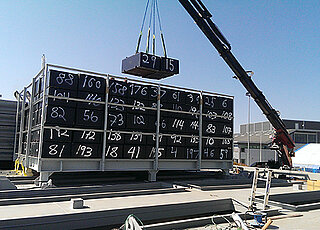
pixel 202 17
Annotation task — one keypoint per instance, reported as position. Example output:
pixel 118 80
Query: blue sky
pixel 278 40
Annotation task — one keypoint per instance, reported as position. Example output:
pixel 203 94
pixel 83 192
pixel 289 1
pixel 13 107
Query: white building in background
pixel 308 157
pixel 302 132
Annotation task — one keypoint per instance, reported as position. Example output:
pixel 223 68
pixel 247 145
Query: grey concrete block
pixel 5 184
pixel 77 203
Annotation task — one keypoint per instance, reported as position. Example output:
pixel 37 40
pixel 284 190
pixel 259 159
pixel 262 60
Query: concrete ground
pixel 308 220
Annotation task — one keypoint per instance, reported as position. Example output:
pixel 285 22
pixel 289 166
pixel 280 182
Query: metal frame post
pixel 22 122
pixel 156 163
pixel 104 144
pixel 153 173
pixel 30 122
pixel 16 129
pixel 200 132
pixel 43 114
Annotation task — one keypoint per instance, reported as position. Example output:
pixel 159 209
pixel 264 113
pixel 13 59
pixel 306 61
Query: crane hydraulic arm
pixel 282 140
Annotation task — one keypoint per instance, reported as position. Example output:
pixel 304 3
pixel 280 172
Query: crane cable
pixel 143 20
pixel 161 34
pixel 154 9
pixel 149 29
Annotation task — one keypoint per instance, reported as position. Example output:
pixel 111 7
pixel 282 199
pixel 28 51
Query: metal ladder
pixel 267 180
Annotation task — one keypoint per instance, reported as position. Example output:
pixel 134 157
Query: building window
pixel 300 138
pixel 312 138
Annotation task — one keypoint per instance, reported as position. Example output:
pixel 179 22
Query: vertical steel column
pixel 200 132
pixel 22 121
pixel 16 129
pixel 156 162
pixel 30 123
pixel 104 145
pixel 43 114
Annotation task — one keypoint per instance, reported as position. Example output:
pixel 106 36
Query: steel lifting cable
pixel 149 29
pixel 154 9
pixel 161 33
pixel 143 20
pixel 154 28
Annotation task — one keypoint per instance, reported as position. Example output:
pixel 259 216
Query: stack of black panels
pixel 74 128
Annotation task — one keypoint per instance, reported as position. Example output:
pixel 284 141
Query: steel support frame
pixel 151 165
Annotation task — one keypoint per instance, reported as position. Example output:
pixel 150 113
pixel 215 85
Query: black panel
pixel 119 101
pixel 60 115
pixel 192 126
pixel 192 141
pixel 118 88
pixel 139 105
pixel 217 153
pixel 92 84
pixel 191 98
pixel 134 152
pixel 226 130
pixel 192 152
pixel 225 103
pixel 63 80
pixel 138 122
pixel 194 109
pixel 57 135
pixel 86 150
pixel 151 140
pixel 90 118
pixel 87 136
pixel 175 152
pixel 174 96
pixel 176 140
pixel 217 129
pixel 170 65
pixel 116 120
pixel 210 153
pixel 210 115
pixel 115 137
pixel 62 93
pixel 153 93
pixel 138 91
pixel 150 61
pixel 135 138
pixel 176 125
pixel 114 151
pixel 151 151
pixel 56 150
pixel 213 142
pixel 210 102
pixel 91 97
